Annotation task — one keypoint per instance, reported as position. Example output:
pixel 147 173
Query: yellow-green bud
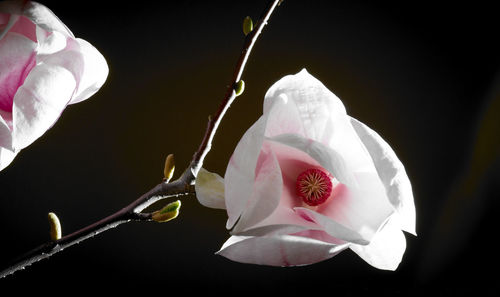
pixel 247 25
pixel 55 227
pixel 168 171
pixel 169 212
pixel 239 87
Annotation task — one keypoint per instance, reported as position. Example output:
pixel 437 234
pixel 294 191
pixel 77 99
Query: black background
pixel 423 75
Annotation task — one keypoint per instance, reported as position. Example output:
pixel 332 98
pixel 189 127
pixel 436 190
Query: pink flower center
pixel 313 186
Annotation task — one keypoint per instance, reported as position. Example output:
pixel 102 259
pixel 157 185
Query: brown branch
pixel 182 186
pixel 213 122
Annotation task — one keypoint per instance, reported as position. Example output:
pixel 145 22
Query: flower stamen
pixel 313 186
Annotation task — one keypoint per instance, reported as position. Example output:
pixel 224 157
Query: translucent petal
pixel 266 192
pixel 363 209
pixel 271 230
pixel 240 172
pixel 334 228
pixel 310 97
pixel 386 249
pixel 301 105
pixel 280 250
pixel 392 174
pixel 210 189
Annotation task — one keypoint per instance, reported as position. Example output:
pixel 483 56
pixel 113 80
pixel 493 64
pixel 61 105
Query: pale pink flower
pixel 307 181
pixel 43 68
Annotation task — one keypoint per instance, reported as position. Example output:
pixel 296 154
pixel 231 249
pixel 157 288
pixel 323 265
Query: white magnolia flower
pixel 307 181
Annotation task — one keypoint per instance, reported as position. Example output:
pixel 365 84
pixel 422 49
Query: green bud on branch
pixel 169 212
pixel 55 227
pixel 247 25
pixel 169 168
pixel 239 87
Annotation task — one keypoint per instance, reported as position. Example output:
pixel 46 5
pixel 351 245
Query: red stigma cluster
pixel 313 186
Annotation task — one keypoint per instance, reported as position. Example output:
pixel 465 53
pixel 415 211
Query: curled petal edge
pixel 386 249
pixel 279 250
pixel 240 172
pixel 392 174
pixel 266 192
pixel 95 72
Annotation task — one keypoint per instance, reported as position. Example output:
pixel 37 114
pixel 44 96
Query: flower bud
pixel 169 212
pixel 247 25
pixel 168 171
pixel 55 227
pixel 239 87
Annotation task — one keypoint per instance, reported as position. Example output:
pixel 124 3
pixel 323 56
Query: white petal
pixel 271 230
pixel 334 228
pixel 300 88
pixel 282 250
pixel 40 101
pixel 240 172
pixel 70 58
pixel 282 218
pixel 301 105
pixel 362 209
pixel 266 192
pixel 6 157
pixel 95 71
pixel 86 64
pixel 45 18
pixel 5 132
pixel 50 43
pixel 210 189
pixel 386 249
pixel 392 174
pixel 327 157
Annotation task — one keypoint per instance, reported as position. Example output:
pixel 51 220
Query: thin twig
pixel 213 122
pixel 182 186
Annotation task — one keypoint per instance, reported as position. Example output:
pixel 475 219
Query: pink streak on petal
pixel 25 27
pixel 305 216
pixel 19 63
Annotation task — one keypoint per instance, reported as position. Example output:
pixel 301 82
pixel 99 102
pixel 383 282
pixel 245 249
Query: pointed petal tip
pixel 210 189
pixel 6 157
